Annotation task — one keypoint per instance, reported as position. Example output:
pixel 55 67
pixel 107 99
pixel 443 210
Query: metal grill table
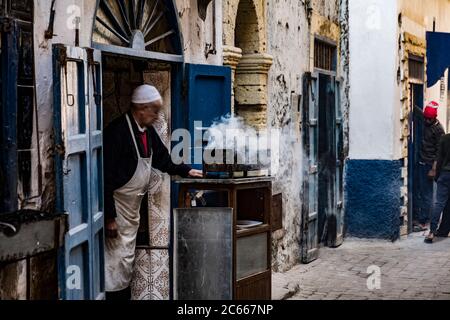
pixel 250 199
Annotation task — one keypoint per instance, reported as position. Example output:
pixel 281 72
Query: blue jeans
pixel 442 195
pixel 425 193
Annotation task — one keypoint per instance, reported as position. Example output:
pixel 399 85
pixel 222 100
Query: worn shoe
pixel 429 238
pixel 420 228
pixel 441 234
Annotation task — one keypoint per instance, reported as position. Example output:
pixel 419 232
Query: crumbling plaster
pixel 293 26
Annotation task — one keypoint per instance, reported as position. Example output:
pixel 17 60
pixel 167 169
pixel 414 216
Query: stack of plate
pixel 248 224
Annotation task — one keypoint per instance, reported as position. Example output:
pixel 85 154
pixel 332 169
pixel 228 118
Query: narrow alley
pixel 192 150
pixel 410 269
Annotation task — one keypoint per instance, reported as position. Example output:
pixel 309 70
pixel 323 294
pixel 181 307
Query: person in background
pixel 443 187
pixel 432 133
pixel 444 226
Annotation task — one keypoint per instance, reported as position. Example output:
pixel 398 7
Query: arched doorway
pixel 245 51
pixel 147 29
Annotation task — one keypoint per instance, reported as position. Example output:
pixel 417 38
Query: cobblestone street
pixel 410 269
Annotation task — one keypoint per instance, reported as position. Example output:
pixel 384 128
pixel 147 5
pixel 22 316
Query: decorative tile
pixel 159 274
pixel 159 211
pixel 140 285
pixel 151 271
pixel 159 198
pixel 151 275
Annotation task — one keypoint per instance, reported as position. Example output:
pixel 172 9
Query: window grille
pixel 416 68
pixel 324 55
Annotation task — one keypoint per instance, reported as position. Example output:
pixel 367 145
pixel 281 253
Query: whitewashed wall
pixel 374 91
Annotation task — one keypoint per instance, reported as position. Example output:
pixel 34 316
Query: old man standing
pixel 131 148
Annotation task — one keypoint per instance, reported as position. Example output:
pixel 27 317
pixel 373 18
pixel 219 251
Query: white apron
pixel 120 252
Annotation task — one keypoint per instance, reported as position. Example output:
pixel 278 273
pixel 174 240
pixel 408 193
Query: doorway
pixel 322 135
pixel 327 156
pixel 414 146
pixel 322 209
pixel 121 75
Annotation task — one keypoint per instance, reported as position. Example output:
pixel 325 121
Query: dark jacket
pixel 443 158
pixel 431 136
pixel 120 159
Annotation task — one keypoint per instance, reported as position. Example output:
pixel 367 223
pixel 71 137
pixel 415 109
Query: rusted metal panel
pixel 13 280
pixel 37 234
pixel 43 277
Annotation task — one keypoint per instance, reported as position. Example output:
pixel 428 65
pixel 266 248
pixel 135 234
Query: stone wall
pixel 245 46
pixel 293 26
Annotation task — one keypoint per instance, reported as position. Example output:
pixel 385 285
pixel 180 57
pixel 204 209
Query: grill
pixel 232 169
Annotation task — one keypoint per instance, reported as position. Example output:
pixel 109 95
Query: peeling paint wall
pixel 201 37
pixel 292 26
pixel 289 44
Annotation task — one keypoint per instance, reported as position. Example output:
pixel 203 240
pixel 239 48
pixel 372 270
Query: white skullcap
pixel 145 94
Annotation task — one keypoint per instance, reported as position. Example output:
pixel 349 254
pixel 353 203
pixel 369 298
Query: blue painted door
pixel 208 99
pixel 8 114
pixel 78 161
pixel 414 145
pixel 310 134
pixel 199 93
pixel 338 234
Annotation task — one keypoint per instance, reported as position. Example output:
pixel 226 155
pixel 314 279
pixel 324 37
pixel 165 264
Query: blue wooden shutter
pixel 200 93
pixel 208 97
pixel 338 234
pixel 8 156
pixel 310 210
pixel 79 173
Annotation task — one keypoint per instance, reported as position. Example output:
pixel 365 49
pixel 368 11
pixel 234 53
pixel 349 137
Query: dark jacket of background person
pixel 431 136
pixel 443 157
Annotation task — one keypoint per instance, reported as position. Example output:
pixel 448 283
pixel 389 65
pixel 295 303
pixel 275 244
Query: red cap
pixel 431 111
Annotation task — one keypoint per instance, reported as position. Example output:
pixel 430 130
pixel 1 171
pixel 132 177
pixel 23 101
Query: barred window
pixel 324 55
pixel 416 68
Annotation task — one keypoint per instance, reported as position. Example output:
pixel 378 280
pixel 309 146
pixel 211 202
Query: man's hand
pixel 111 229
pixel 195 173
pixel 432 174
